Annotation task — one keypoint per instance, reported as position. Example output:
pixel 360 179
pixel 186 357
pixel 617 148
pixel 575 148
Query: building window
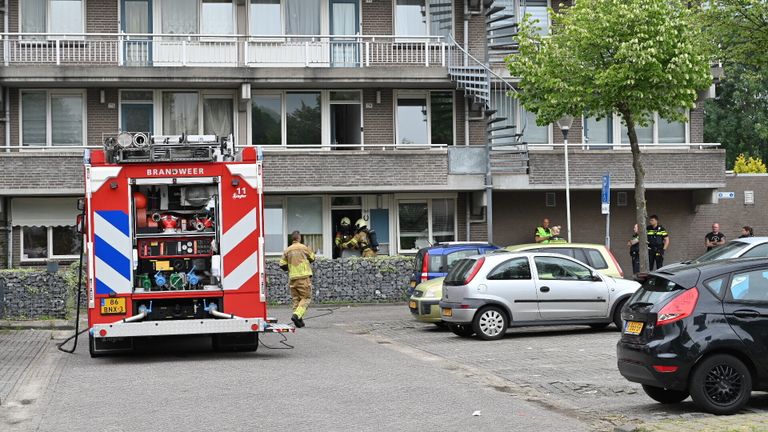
pixel 425 221
pixel 52 118
pixel 598 131
pixel 533 133
pixel 423 18
pixel 425 118
pixel 305 214
pixel 537 9
pixel 183 110
pixel 41 243
pixel 52 16
pixel 299 111
pixel 670 132
pixel 274 232
pixel 288 17
pixel 184 17
pixel 644 133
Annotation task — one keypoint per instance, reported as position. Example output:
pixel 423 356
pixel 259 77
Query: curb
pixel 40 325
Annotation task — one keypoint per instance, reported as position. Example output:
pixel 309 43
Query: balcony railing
pixel 146 50
pixel 623 146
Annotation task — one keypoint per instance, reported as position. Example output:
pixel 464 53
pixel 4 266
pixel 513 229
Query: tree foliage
pixel 740 29
pixel 751 165
pixel 738 118
pixel 605 57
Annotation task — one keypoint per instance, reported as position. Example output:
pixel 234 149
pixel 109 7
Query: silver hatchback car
pixel 485 295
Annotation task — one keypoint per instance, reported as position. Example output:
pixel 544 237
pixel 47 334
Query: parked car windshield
pixel 459 272
pixel 655 290
pixel 728 250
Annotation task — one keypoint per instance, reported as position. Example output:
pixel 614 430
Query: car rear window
pixel 655 290
pixel 459 272
pixel 596 259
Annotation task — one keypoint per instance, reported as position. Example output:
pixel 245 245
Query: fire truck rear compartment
pixel 176 236
pixel 161 309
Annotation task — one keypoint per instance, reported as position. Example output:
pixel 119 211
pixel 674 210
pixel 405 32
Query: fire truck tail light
pixel 102 332
pixel 255 327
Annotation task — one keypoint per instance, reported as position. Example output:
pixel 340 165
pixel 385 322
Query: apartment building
pixel 391 110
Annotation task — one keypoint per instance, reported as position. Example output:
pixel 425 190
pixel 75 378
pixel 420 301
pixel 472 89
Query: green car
pixel 425 299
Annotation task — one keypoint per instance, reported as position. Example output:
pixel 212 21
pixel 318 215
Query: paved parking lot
pixel 354 368
pixel 571 369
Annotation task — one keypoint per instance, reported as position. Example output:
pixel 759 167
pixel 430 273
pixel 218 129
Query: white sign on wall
pixel 726 195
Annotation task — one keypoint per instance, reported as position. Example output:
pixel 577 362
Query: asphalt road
pixel 340 376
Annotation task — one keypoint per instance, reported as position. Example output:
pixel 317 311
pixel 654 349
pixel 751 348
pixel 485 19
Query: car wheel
pixel 599 326
pixel 490 323
pixel 721 384
pixel 617 315
pixel 462 330
pixel 665 396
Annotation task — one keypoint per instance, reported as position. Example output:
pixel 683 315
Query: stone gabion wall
pixel 35 294
pixel 32 294
pixel 352 280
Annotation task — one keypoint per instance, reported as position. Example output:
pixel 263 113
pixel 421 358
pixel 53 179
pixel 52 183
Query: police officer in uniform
pixel 634 250
pixel 658 242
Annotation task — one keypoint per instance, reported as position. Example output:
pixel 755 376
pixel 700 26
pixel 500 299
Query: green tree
pixel 740 29
pixel 738 118
pixel 605 57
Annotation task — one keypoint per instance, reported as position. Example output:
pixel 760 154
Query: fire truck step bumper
pixel 187 327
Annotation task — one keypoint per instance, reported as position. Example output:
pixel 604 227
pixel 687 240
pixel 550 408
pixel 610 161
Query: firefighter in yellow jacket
pixel 362 240
pixel 296 260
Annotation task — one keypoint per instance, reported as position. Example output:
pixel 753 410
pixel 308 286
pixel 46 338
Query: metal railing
pixel 122 49
pixel 624 146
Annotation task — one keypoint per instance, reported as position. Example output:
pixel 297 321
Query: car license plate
pixel 113 306
pixel 412 304
pixel 633 327
pixel 413 284
pixel 447 312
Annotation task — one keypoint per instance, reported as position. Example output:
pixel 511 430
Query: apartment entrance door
pixel 137 24
pixel 345 21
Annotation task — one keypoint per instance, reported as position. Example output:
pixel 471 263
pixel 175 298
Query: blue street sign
pixel 606 195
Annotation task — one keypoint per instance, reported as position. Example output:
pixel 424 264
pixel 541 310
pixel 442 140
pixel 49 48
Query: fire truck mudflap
pixel 174 240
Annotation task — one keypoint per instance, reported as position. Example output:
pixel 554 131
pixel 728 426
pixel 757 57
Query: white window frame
pixel 427 14
pixel 48 120
pixel 422 94
pixel 121 102
pixel 201 96
pixel 520 14
pixel 418 199
pixel 618 135
pixel 48 17
pixel 49 248
pixel 273 200
pixel 325 20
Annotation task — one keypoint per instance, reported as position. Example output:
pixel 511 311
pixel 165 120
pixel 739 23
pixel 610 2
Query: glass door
pixel 137 24
pixel 345 21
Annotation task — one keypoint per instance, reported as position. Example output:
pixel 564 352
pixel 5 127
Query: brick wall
pixel 587 167
pixel 36 171
pixel 101 16
pixel 355 169
pixel 377 18
pixel 378 122
pixel 696 124
pixel 101 118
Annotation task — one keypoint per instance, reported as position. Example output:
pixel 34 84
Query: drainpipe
pixel 9 232
pixel 469 203
pixel 466 62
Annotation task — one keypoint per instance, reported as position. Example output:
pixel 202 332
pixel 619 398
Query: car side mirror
pixel 596 277
pixel 81 204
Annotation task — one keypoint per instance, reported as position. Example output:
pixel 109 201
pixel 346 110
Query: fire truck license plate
pixel 112 306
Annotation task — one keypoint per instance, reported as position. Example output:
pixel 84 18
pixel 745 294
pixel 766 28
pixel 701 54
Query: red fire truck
pixel 174 242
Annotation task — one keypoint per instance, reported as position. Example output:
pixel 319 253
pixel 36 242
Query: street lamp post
pixel 564 124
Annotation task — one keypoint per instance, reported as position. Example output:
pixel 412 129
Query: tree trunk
pixel 641 213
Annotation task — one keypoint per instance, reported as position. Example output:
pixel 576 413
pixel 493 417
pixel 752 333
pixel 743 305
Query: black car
pixel 699 330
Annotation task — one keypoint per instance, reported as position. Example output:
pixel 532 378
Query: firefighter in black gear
pixel 658 242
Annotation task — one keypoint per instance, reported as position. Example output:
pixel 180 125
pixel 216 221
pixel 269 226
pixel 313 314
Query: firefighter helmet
pixel 360 224
pixel 345 222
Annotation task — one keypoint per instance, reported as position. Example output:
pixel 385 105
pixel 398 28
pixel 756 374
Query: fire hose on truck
pixel 174 241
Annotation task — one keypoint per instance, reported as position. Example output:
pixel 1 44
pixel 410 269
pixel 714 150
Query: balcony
pixel 198 50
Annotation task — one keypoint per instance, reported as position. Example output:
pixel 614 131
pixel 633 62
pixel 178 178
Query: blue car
pixel 435 261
